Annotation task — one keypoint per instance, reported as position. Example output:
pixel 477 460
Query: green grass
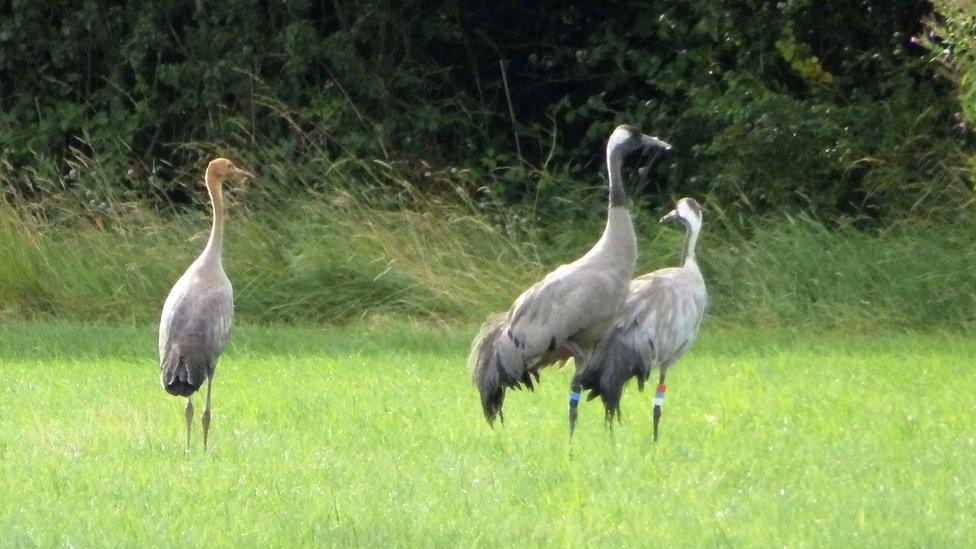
pixel 372 435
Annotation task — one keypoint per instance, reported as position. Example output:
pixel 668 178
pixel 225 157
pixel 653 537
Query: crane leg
pixel 574 398
pixel 206 413
pixel 658 402
pixel 574 389
pixel 188 414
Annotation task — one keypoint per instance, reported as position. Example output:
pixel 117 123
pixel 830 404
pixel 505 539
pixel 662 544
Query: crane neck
pixel 216 242
pixel 615 159
pixel 618 243
pixel 691 240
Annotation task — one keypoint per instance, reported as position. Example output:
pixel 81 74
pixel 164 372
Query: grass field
pixel 372 435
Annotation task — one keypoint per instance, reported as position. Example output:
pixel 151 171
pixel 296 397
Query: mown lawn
pixel 373 435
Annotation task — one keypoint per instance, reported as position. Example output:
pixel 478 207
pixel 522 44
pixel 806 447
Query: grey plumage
pixel 199 311
pixel 194 327
pixel 659 322
pixel 565 313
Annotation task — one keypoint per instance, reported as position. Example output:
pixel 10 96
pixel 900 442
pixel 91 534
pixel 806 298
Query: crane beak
pixel 243 174
pixel 650 142
pixel 671 216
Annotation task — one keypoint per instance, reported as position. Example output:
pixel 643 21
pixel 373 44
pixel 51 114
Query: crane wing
pixel 659 321
pixel 662 314
pixel 195 326
pixel 569 300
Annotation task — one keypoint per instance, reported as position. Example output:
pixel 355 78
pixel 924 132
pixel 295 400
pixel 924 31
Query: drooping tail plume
pixel 486 368
pixel 179 376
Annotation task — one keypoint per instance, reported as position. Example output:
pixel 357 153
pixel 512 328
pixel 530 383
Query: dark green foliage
pixel 821 106
pixel 952 43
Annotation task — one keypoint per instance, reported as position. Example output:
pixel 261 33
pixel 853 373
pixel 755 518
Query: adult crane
pixel 657 325
pixel 565 313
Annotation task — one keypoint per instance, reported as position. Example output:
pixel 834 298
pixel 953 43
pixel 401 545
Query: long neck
pixel 615 158
pixel 216 242
pixel 688 251
pixel 618 241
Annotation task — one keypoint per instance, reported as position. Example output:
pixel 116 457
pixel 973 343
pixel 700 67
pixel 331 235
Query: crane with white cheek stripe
pixel 565 313
pixel 658 323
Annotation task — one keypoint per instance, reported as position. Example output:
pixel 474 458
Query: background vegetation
pixel 431 163
pixel 418 167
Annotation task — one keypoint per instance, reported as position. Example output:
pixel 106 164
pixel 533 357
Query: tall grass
pixel 333 252
pixel 797 271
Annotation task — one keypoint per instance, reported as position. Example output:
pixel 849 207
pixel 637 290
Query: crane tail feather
pixel 487 372
pixel 183 377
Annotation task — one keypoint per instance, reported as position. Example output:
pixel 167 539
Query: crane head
pixel 221 169
pixel 626 138
pixel 686 211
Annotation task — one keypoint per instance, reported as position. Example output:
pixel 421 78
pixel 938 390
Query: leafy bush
pixel 952 40
pixel 794 104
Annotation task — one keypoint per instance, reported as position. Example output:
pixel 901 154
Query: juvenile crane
pixel 563 315
pixel 658 323
pixel 199 311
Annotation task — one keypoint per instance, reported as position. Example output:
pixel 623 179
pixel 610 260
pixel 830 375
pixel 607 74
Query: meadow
pixel 371 434
pixel 416 170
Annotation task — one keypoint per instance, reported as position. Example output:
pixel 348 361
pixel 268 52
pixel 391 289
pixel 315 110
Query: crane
pixel 199 311
pixel 566 312
pixel 658 323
